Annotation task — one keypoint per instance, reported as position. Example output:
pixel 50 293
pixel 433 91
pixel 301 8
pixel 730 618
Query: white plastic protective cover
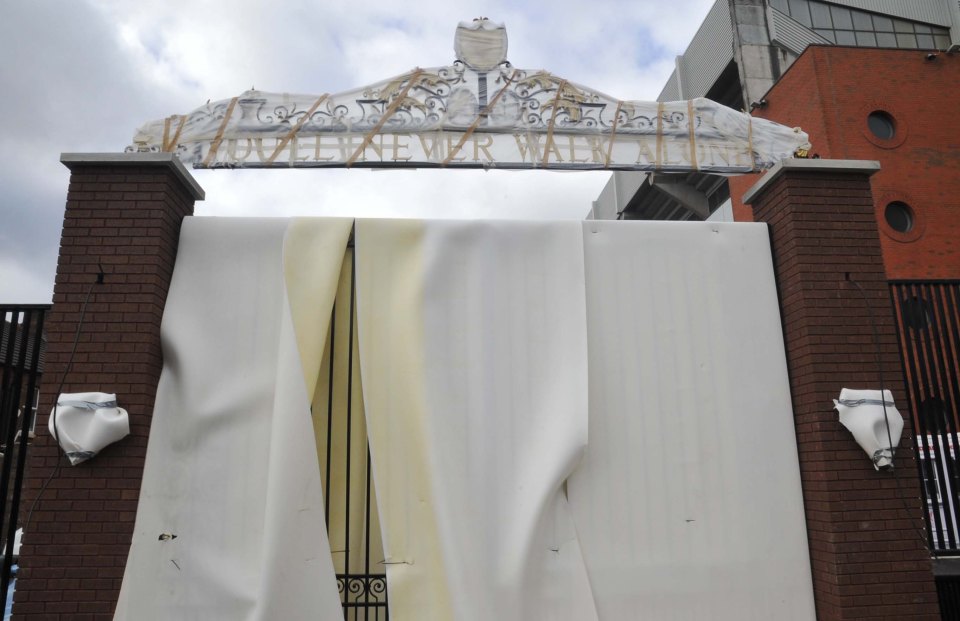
pixel 866 414
pixel 567 421
pixel 688 502
pixel 83 423
pixel 230 523
pixel 474 358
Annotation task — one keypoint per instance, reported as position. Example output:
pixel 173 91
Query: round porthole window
pixel 881 125
pixel 899 216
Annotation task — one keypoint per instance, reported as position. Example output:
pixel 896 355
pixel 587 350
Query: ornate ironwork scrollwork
pixel 362 590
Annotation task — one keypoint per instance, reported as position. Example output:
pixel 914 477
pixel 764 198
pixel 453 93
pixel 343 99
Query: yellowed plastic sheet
pixel 473 353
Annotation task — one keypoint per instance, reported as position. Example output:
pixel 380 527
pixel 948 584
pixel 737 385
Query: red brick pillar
pixel 865 528
pixel 124 213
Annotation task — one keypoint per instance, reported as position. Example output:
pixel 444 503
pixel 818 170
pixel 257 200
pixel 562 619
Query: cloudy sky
pixel 81 75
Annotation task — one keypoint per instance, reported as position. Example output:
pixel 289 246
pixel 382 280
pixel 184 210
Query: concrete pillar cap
pixel 73 161
pixel 863 167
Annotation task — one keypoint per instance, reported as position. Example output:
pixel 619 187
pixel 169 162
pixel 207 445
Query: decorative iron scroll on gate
pixel 21 364
pixel 479 112
pixel 349 499
pixel 928 321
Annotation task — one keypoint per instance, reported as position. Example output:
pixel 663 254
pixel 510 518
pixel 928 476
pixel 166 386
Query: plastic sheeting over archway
pixel 567 420
pixel 480 112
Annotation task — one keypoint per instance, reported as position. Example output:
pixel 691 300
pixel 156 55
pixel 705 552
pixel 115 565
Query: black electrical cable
pixel 886 419
pixel 53 415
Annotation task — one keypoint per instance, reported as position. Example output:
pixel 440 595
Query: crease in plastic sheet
pixel 231 468
pixel 688 502
pixel 473 356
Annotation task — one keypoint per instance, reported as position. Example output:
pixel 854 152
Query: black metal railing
pixel 350 503
pixel 21 364
pixel 928 321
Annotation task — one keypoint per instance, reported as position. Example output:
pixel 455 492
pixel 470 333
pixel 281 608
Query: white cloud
pixel 21 285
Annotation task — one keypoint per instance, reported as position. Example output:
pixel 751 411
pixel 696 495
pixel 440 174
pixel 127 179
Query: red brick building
pixel 911 99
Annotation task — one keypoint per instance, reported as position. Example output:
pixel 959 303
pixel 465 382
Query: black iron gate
pixel 21 364
pixel 350 503
pixel 929 329
pixel 928 322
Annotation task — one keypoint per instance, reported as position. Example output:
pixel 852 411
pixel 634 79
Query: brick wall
pixel 124 213
pixel 865 527
pixel 830 91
